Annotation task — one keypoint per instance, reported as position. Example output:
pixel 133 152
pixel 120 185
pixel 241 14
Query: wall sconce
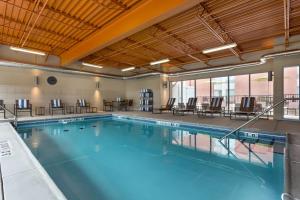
pixel 97 85
pixel 165 84
pixel 36 80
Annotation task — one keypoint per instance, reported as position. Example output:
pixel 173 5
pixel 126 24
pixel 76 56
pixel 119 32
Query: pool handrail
pixel 257 117
pixel 15 120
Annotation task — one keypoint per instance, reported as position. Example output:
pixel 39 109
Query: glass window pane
pixel 203 91
pixel 176 91
pixel 188 90
pixel 238 88
pixel 262 90
pixel 291 89
pixel 219 88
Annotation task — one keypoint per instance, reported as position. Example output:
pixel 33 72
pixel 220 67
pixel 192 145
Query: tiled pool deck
pixel 31 175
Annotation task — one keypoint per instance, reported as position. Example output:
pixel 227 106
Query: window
pixel 291 89
pixel 203 91
pixel 238 88
pixel 188 90
pixel 176 91
pixel 261 89
pixel 219 88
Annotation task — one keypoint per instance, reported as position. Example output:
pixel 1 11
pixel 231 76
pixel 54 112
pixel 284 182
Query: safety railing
pixel 15 119
pixel 257 117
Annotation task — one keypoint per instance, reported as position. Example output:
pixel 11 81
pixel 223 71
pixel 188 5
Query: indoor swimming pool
pixel 115 158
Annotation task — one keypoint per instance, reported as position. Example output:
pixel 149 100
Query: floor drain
pixel 5 149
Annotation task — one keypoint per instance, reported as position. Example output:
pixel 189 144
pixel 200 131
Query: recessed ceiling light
pixel 91 65
pixel 220 48
pixel 128 69
pixel 28 51
pixel 160 61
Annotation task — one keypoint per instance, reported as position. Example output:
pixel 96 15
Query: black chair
pixel 2 108
pixel 107 104
pixel 168 107
pixel 247 108
pixel 190 107
pixel 215 107
pixel 82 104
pixel 130 104
pixel 22 105
pixel 56 104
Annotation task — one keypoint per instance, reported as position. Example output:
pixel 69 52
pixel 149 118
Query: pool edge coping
pixel 42 173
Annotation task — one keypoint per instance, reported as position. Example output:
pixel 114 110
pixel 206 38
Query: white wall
pixel 155 83
pixel 19 83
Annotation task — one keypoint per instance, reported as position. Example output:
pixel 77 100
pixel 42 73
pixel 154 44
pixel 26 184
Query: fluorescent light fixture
pixel 28 51
pixel 128 69
pixel 220 48
pixel 160 61
pixel 91 65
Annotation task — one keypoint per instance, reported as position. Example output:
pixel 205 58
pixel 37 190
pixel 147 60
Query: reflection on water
pixel 252 152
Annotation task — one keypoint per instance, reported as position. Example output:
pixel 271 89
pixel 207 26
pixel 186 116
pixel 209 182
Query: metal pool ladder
pixel 257 117
pixel 15 119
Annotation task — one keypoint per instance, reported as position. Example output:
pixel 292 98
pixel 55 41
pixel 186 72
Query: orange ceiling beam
pixel 144 15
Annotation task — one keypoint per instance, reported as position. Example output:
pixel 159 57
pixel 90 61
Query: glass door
pixel 291 89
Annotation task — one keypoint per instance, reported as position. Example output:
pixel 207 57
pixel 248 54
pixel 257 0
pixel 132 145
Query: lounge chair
pixel 2 108
pixel 168 107
pixel 190 107
pixel 215 107
pixel 108 104
pixel 82 105
pixel 247 108
pixel 22 105
pixel 56 104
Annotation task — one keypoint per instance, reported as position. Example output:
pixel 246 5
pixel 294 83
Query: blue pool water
pixel 120 159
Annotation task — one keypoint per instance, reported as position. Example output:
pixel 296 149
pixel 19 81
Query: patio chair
pixel 2 108
pixel 130 104
pixel 168 107
pixel 56 104
pixel 107 104
pixel 190 107
pixel 247 108
pixel 215 107
pixel 22 105
pixel 82 105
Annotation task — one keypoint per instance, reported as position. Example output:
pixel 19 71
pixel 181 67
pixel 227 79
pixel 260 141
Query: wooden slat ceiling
pixel 61 23
pixel 252 24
